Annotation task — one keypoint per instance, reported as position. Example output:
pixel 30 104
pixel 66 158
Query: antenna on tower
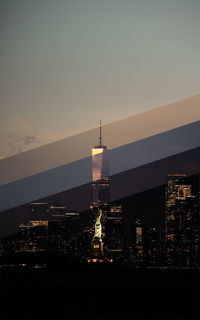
pixel 100 134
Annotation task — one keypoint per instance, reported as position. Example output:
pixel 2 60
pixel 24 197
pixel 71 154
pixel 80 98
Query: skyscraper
pixel 138 241
pixel 182 222
pixel 100 173
pixel 114 237
pixel 100 188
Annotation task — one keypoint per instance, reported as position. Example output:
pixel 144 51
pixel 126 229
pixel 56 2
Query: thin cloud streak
pixel 16 136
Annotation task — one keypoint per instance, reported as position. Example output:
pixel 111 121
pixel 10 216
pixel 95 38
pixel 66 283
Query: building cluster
pixel 68 234
pixel 99 234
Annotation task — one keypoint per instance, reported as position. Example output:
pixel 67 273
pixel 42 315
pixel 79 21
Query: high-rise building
pixel 135 249
pixel 153 246
pixel 114 233
pixel 100 174
pixel 100 188
pixel 138 241
pixel 181 222
pixel 174 182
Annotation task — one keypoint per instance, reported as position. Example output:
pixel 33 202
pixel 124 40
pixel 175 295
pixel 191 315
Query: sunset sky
pixel 65 63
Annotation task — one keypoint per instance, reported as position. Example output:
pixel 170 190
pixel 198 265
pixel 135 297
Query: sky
pixel 66 63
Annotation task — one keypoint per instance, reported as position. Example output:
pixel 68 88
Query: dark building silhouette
pixel 114 233
pixel 38 207
pixel 136 243
pixel 153 247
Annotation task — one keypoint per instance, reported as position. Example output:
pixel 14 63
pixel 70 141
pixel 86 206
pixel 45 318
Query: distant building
pixel 139 243
pixel 38 208
pixel 57 209
pixel 114 233
pixel 136 243
pixel 153 247
pixel 181 222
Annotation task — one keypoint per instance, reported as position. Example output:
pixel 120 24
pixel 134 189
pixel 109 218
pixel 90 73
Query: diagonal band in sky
pixel 24 186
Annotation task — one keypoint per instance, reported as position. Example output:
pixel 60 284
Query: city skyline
pixel 100 159
pixel 112 237
pixel 113 231
pixel 116 232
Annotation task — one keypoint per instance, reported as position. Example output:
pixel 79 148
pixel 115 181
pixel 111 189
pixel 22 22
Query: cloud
pixel 29 139
pixel 16 136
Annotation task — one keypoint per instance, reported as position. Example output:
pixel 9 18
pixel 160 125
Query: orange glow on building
pixel 97 160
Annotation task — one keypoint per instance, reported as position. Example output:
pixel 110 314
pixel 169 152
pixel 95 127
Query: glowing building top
pixel 100 174
pixel 100 168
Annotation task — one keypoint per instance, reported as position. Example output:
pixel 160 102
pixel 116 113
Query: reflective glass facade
pixel 99 163
pixel 100 180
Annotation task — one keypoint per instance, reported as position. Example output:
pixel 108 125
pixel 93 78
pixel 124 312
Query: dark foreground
pixel 99 292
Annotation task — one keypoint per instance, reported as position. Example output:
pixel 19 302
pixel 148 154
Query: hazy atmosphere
pixel 66 63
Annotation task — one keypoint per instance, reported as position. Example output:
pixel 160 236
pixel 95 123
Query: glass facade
pixel 100 168
pixel 100 180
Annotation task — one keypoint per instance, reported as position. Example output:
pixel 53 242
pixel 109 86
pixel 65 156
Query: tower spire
pixel 100 135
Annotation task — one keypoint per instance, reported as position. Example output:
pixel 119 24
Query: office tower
pixel 100 173
pixel 114 240
pixel 182 221
pixel 100 194
pixel 153 247
pixel 171 194
pixel 136 242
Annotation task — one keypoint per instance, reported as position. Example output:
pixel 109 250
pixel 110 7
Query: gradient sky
pixel 65 63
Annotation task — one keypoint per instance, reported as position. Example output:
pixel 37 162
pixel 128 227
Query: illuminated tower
pixel 100 172
pixel 181 222
pixel 100 188
pixel 138 241
pixel 174 183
